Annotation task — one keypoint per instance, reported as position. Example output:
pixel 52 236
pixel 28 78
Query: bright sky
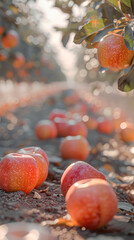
pixel 54 17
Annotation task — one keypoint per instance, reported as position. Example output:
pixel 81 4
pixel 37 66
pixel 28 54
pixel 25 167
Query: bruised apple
pixel 45 129
pixel 78 171
pixel 74 147
pixel 18 172
pixel 92 203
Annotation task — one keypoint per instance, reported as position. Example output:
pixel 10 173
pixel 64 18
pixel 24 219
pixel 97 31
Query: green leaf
pixel 127 7
pixel 94 38
pixel 65 38
pixel 114 3
pixel 89 41
pixel 110 12
pixel 102 33
pixel 129 37
pixel 126 2
pixel 93 26
pixel 126 82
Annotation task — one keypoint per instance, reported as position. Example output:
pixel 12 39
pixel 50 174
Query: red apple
pixel 57 113
pixel 91 123
pixel 127 132
pixel 61 125
pixel 45 129
pixel 105 126
pixel 18 172
pixel 42 167
pixel 80 108
pixel 92 203
pixel 74 147
pixel 35 150
pixel 78 171
pixel 76 128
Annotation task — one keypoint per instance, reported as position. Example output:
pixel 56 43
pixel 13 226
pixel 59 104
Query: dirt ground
pixel 47 204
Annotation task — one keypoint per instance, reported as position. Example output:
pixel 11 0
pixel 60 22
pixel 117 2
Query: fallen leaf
pixel 36 195
pixel 44 190
pixel 66 220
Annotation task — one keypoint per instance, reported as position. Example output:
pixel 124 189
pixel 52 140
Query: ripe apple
pixel 10 39
pixel 35 150
pixel 61 125
pixel 42 167
pixel 76 128
pixel 91 123
pixel 18 172
pixel 57 113
pixel 45 129
pixel 74 147
pixel 78 171
pixel 92 203
pixel 113 53
pixel 127 132
pixel 19 60
pixel 105 126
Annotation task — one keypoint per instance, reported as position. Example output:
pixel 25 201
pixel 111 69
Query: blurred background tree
pixel 23 56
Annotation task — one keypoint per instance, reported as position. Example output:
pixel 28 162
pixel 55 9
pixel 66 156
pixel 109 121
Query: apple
pixel 45 129
pixel 57 113
pixel 34 150
pixel 18 172
pixel 105 126
pixel 91 123
pixel 61 125
pixel 127 132
pixel 76 128
pixel 92 203
pixel 42 167
pixel 78 171
pixel 74 147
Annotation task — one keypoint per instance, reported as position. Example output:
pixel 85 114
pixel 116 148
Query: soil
pixel 45 205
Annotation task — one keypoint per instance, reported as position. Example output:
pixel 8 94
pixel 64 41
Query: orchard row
pixel 90 200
